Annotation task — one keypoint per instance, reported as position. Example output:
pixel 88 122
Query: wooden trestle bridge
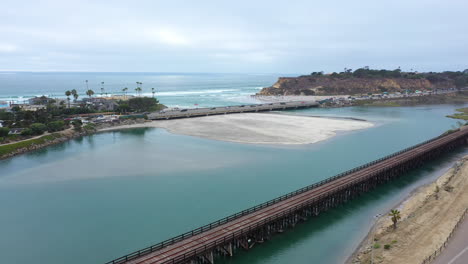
pixel 258 224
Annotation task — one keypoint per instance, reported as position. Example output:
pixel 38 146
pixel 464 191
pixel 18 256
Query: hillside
pixel 364 81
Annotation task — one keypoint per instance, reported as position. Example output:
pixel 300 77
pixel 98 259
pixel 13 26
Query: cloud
pixel 240 36
pixel 7 48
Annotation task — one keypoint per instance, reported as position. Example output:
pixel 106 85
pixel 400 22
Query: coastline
pixel 428 215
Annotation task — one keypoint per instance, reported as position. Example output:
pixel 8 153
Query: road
pixel 193 112
pixel 457 250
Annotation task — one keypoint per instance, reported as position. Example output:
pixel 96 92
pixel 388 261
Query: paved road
pixel 193 112
pixel 457 250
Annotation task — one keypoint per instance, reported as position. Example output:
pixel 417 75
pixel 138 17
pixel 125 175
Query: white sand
pixel 258 128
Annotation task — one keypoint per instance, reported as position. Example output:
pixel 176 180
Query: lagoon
pixel 96 198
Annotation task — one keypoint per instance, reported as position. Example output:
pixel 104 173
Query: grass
pixel 463 114
pixel 7 149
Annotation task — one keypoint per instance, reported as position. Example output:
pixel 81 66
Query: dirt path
pixel 427 218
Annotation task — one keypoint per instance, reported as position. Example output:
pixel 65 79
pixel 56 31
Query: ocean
pixel 172 89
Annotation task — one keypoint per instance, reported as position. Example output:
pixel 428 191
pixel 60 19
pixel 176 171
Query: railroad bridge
pixel 241 231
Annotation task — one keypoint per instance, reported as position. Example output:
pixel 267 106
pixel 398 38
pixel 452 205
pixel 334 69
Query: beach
pixel 256 128
pixel 428 216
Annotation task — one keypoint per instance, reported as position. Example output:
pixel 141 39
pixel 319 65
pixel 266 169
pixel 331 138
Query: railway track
pixel 179 252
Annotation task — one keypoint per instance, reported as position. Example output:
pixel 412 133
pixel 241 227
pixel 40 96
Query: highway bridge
pixel 207 111
pixel 243 230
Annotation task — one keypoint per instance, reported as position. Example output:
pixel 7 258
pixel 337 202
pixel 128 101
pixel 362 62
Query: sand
pixel 256 128
pixel 427 218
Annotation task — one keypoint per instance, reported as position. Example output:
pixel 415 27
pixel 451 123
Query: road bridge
pixel 207 111
pixel 243 230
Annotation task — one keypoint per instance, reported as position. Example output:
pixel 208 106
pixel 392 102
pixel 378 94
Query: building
pixel 42 100
pixel 101 104
pixel 27 107
pixel 16 131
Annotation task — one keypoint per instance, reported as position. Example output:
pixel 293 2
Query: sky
pixel 242 36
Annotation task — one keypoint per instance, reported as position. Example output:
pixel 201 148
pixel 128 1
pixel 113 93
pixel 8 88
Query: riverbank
pixel 16 148
pixel 255 128
pixel 427 218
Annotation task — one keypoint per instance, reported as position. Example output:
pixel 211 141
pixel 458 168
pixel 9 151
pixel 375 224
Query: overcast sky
pixel 233 36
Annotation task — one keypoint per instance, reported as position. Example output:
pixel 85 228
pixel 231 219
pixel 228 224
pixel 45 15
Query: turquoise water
pixel 96 198
pixel 173 89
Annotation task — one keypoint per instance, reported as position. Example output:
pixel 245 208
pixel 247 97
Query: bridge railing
pixel 250 210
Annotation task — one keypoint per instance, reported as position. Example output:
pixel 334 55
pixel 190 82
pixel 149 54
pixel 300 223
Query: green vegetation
pixel 7 149
pixel 55 126
pixel 458 78
pixel 376 246
pixel 89 127
pixel 395 216
pixel 463 114
pixel 77 125
pixel 387 246
pixel 38 128
pixel 4 131
pixel 142 104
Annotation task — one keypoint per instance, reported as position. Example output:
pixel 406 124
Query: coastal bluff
pixel 364 81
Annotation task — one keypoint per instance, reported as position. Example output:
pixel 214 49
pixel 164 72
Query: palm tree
pixel 87 88
pixel 125 92
pixel 153 91
pixel 138 91
pixel 68 93
pixel 102 88
pixel 75 94
pixel 395 214
pixel 90 93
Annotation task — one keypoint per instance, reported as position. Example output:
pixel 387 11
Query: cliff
pixel 349 83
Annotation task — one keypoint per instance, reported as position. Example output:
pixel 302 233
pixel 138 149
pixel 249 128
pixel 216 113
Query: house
pixel 27 107
pixel 101 104
pixel 16 131
pixel 42 100
pixel 1 123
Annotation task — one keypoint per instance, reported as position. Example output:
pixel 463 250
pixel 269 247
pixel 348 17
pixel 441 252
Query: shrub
pixel 376 245
pixel 387 246
pixel 394 241
pixel 55 126
pixel 89 127
pixel 38 128
pixel 27 132
pixel 77 124
pixel 4 131
pixel 143 104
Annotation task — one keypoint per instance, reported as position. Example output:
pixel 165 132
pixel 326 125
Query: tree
pixel 4 131
pixel 75 94
pixel 55 126
pixel 38 128
pixel 124 90
pixel 123 108
pixel 102 88
pixel 153 91
pixel 138 91
pixel 87 88
pixel 143 104
pixel 460 82
pixel 90 93
pixel 395 214
pixel 68 93
pixel 77 124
